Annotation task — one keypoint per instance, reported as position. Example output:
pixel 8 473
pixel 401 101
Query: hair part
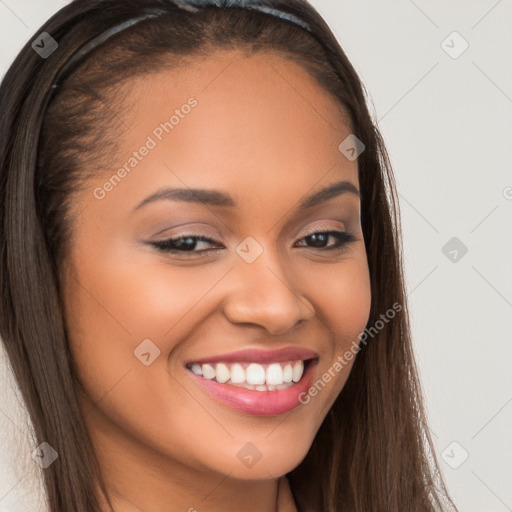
pixel 373 450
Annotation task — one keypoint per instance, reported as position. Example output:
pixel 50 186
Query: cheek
pixel 114 305
pixel 114 308
pixel 343 299
pixel 134 300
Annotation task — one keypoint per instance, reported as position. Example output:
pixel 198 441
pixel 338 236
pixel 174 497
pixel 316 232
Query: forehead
pixel 257 120
pixel 249 94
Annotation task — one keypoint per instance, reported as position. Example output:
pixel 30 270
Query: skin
pixel 265 132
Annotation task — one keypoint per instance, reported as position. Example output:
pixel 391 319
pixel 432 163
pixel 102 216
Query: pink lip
pixel 258 403
pixel 260 356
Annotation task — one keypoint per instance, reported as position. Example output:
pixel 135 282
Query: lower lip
pixel 258 403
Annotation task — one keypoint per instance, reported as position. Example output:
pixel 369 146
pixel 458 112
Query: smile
pixel 254 376
pixel 257 382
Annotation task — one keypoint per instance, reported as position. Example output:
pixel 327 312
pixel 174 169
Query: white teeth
pixel 237 374
pixel 288 373
pixel 222 373
pixel 274 374
pixel 196 368
pixel 298 370
pixel 208 371
pixel 255 374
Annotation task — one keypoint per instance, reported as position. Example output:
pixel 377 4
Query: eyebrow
pixel 221 199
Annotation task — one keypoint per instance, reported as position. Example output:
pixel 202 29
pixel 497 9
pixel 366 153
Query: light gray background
pixel 447 124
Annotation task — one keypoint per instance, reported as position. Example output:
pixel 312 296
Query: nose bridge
pixel 263 293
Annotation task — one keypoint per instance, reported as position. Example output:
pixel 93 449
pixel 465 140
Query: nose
pixel 264 295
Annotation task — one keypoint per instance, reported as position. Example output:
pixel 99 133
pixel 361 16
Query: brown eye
pixel 319 239
pixel 184 244
pixel 189 243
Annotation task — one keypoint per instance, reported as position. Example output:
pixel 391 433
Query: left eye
pixel 318 240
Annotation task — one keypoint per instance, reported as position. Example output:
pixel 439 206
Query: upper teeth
pixel 252 374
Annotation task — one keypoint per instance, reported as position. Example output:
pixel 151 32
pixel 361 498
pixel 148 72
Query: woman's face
pixel 229 148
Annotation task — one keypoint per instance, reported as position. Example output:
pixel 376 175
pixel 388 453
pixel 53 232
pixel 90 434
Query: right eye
pixel 184 244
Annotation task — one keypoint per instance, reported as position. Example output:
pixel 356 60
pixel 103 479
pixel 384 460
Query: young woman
pixel 202 296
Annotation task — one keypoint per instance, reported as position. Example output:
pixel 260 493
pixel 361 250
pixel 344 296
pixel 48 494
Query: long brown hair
pixel 373 451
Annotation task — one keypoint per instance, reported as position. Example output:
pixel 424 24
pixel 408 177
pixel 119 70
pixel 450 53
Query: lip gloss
pixel 258 403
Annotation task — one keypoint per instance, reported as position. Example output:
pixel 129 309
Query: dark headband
pixel 188 5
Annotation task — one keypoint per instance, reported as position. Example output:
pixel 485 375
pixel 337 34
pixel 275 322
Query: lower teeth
pixel 264 387
pixel 261 387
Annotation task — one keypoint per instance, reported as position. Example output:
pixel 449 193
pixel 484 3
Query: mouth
pixel 262 383
pixel 254 376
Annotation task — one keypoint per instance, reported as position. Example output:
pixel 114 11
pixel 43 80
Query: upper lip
pixel 260 356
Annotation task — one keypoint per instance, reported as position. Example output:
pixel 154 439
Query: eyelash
pixel 343 238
